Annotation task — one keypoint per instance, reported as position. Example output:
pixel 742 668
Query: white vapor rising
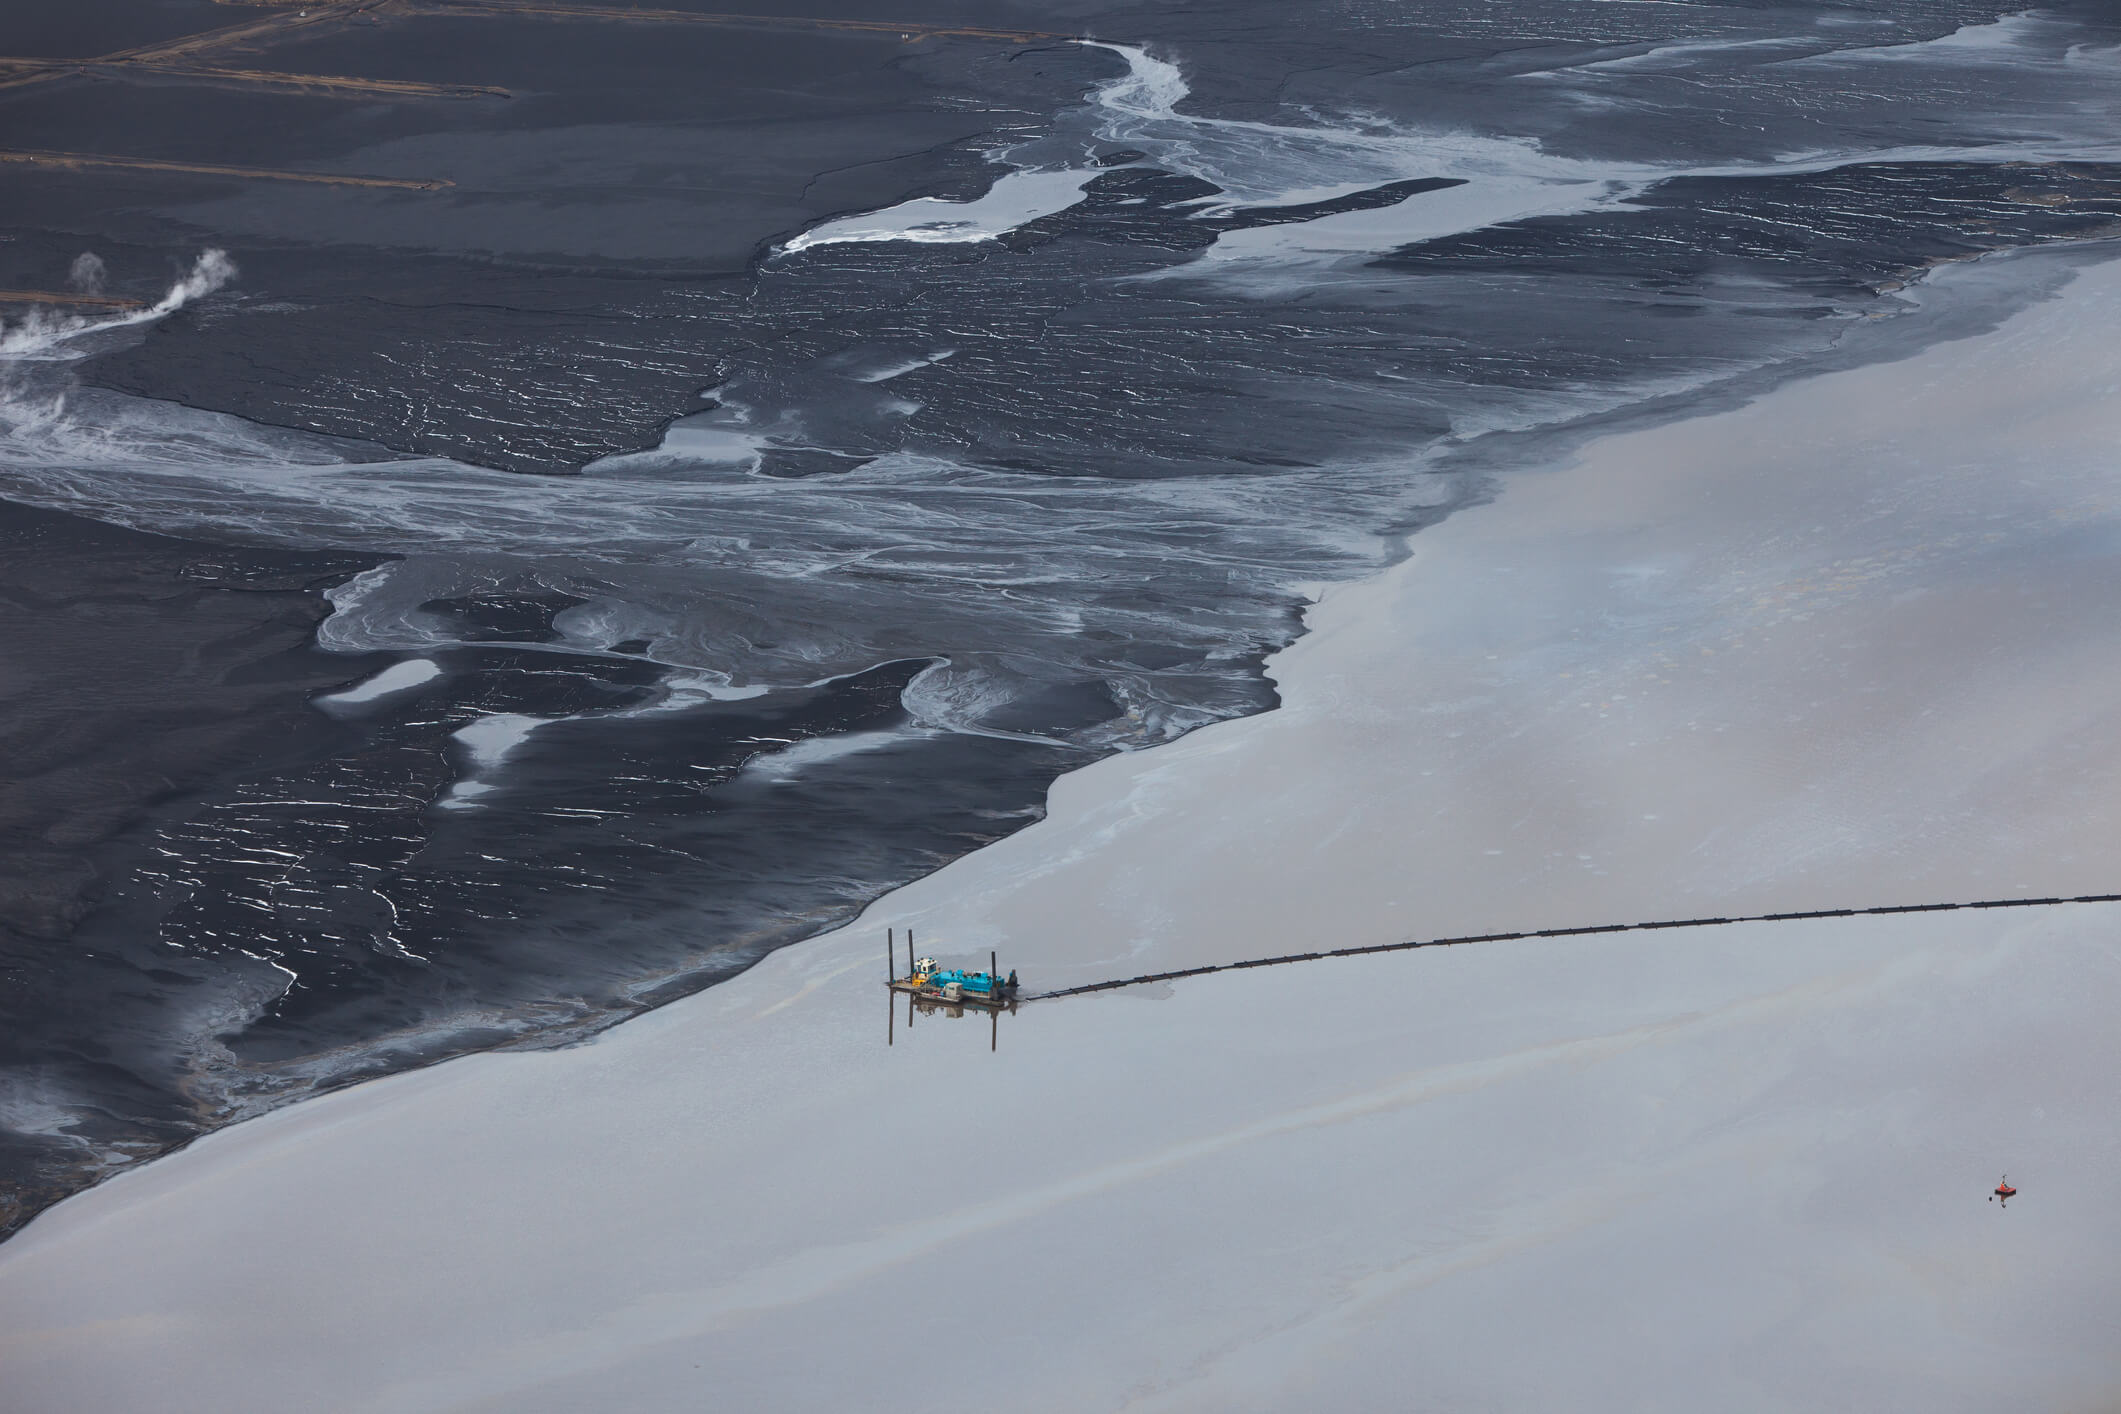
pixel 42 335
pixel 212 270
pixel 87 273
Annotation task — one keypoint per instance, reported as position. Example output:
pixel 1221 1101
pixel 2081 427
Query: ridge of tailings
pixel 1560 933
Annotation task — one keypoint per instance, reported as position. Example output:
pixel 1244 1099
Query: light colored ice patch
pixel 1507 178
pixel 901 367
pixel 491 738
pixel 685 690
pixel 488 742
pixel 1510 180
pixel 714 444
pixel 463 796
pixel 712 439
pixel 1260 164
pixel 2004 37
pixel 1014 200
pixel 397 678
pixel 791 761
pixel 1148 91
pixel 1426 216
pixel 698 442
pixel 720 437
pixel 1679 56
pixel 1295 196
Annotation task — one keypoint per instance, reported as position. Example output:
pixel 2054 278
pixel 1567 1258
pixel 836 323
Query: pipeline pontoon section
pixel 1596 928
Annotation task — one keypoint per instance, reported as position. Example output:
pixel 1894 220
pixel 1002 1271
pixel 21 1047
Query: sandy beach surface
pixel 1850 644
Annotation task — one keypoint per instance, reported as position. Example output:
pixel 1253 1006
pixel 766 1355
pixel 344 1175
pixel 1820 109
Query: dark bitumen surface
pixel 566 296
pixel 135 672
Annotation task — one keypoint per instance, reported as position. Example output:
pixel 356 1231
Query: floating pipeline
pixel 1287 958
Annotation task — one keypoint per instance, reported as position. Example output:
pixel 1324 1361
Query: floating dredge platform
pixel 953 986
pixel 931 987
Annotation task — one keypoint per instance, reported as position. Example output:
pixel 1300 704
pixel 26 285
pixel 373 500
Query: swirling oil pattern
pixel 625 688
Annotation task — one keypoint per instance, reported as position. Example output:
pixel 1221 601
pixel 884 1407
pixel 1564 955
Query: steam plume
pixel 42 335
pixel 88 273
pixel 210 272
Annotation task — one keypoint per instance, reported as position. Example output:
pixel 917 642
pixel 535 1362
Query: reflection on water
pixel 930 1006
